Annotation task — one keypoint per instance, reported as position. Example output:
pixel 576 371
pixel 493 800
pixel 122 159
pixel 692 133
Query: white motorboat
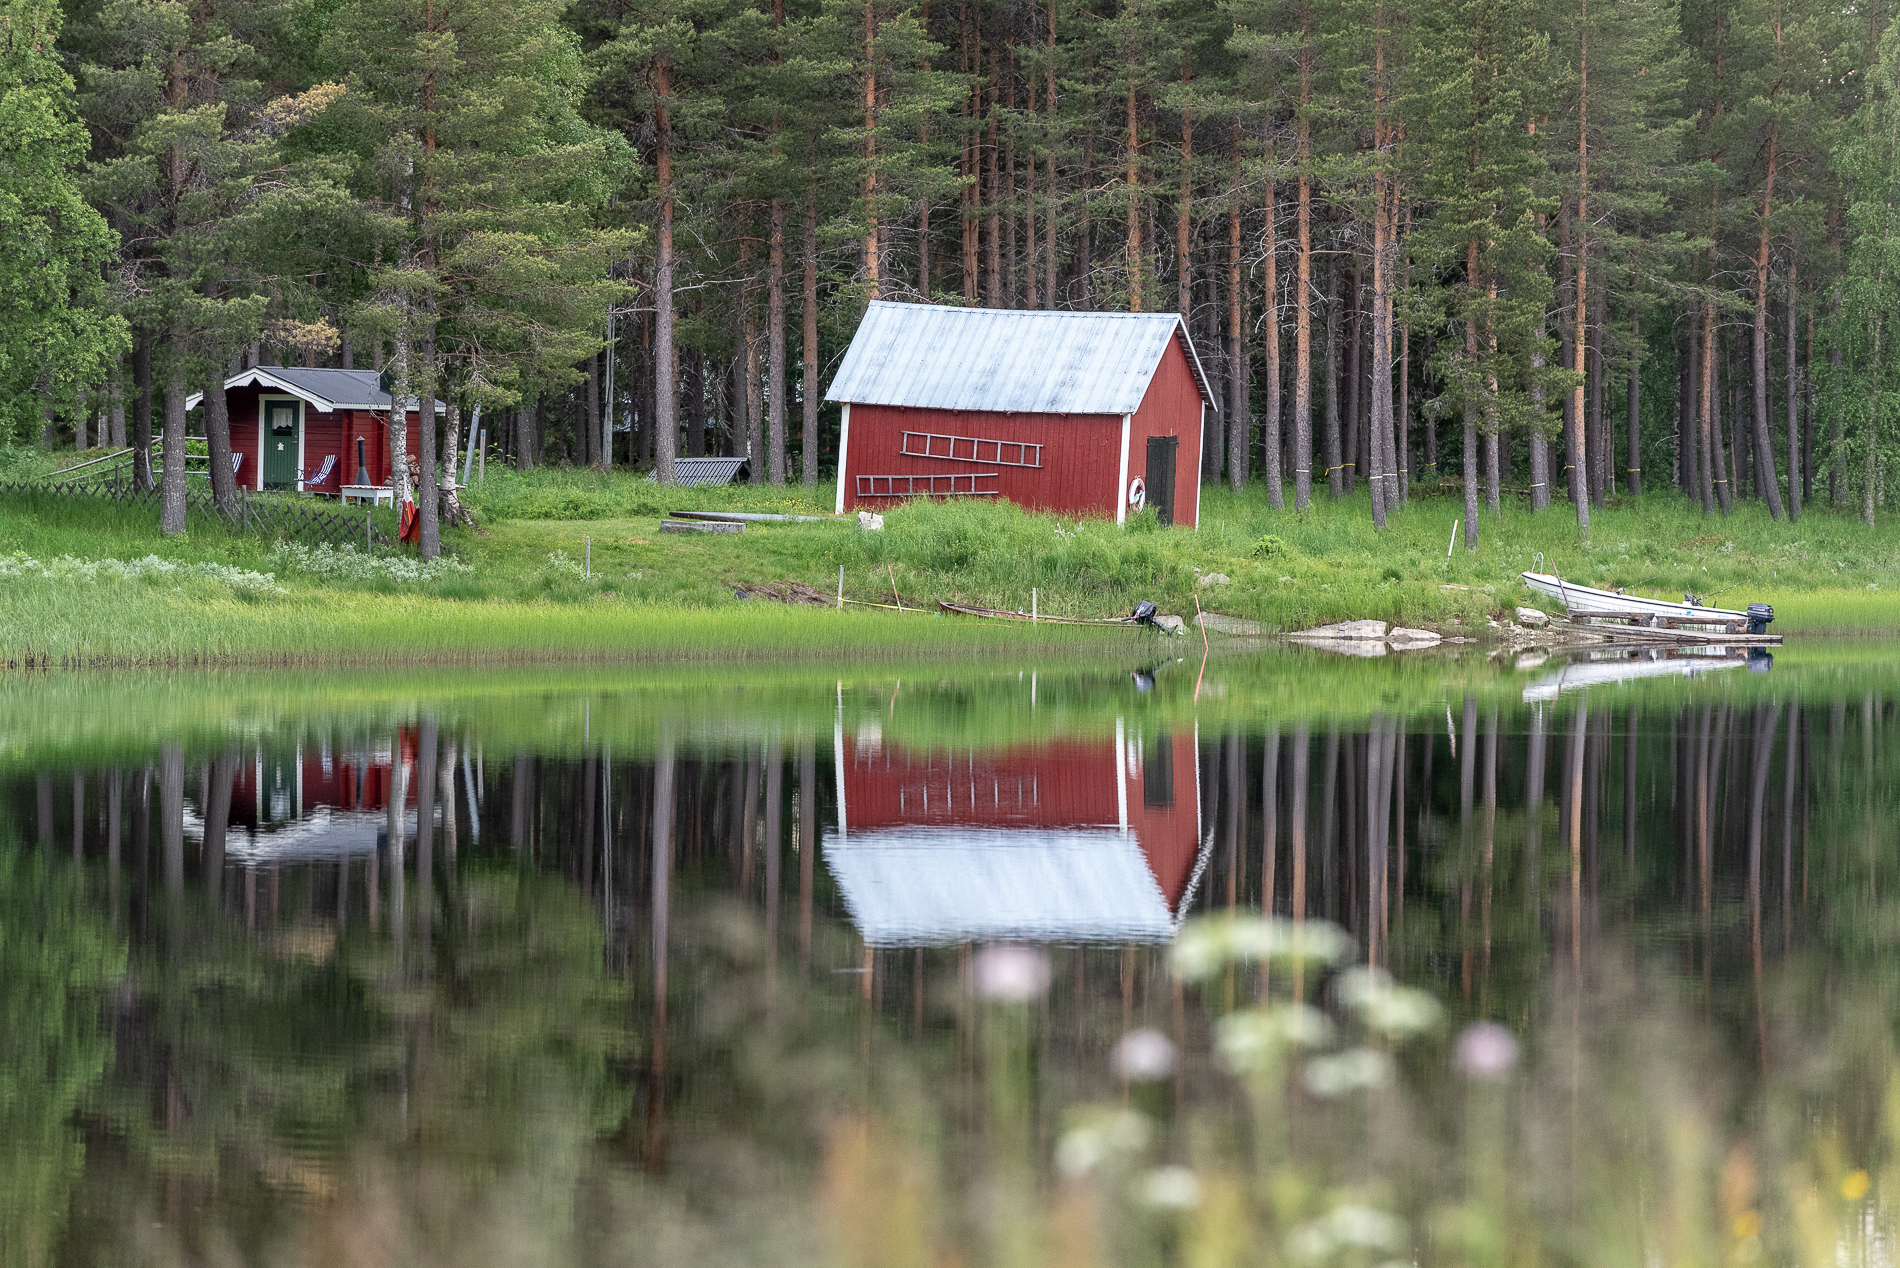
pixel 1589 601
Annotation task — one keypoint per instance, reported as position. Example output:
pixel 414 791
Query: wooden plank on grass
pixel 700 525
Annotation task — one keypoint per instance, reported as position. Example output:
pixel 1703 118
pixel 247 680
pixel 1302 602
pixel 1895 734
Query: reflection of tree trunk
pixel 426 781
pixel 520 804
pixel 45 790
pixel 115 805
pixel 79 817
pixel 749 822
pixel 807 848
pixel 397 836
pixel 1573 818
pixel 1790 763
pixel 1767 722
pixel 142 841
pixel 1328 819
pixel 1490 836
pixel 171 817
pixel 654 1149
pixel 1534 768
pixel 1378 815
pixel 1296 830
pixel 450 832
pixel 774 836
pixel 1269 822
pixel 217 812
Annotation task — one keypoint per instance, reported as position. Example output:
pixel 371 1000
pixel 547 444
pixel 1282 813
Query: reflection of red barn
pixel 1083 413
pixel 1077 840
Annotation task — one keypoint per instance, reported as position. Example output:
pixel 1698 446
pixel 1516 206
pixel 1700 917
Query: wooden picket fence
pixel 272 515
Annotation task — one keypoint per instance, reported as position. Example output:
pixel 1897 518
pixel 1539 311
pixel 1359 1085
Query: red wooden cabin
pixel 286 420
pixel 1069 841
pixel 1085 413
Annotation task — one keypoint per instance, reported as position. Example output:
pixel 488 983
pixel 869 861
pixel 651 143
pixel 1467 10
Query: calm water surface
pixel 956 966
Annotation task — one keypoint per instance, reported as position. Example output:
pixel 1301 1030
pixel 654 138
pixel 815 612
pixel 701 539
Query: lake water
pixel 1282 959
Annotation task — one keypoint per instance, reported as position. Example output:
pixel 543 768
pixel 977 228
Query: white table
pixel 376 494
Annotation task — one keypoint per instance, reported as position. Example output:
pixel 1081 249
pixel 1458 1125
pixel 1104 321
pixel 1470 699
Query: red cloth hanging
pixel 409 527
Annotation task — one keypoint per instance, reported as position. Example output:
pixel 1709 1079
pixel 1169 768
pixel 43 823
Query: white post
pixel 587 550
pixel 1121 480
pixel 840 587
pixel 1032 605
pixel 844 458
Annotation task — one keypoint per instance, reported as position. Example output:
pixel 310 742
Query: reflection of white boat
pixel 1591 673
pixel 1588 601
pixel 917 886
pixel 323 833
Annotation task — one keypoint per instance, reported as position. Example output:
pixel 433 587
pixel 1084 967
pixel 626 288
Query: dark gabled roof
pixel 326 389
pixel 934 356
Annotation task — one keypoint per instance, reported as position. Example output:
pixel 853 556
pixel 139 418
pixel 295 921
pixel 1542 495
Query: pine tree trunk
pixel 218 441
pixel 665 398
pixel 1472 407
pixel 808 349
pixel 1049 165
pixel 1870 457
pixel 1539 443
pixel 968 156
pixel 1714 482
pixel 1600 480
pixel 1633 414
pixel 589 437
pixel 1579 297
pixel 1353 455
pixel 142 410
pixel 1791 386
pixel 1764 443
pixel 171 502
pixel 775 336
pixel 1183 223
pixel 1690 415
pixel 1303 318
pixel 429 492
pixel 1239 411
pixel 993 191
pixel 1404 421
pixel 1383 485
pixel 872 265
pixel 116 417
pixel 1493 424
pixel 1272 460
pixel 1335 483
pixel 1009 184
pixel 1132 191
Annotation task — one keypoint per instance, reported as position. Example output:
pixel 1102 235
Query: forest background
pixel 1554 249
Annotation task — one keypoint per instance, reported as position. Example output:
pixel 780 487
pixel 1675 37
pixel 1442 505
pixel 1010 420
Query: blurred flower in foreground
pixel 1009 974
pixel 1485 1050
pixel 1170 1188
pixel 1208 944
pixel 1360 1227
pixel 1254 1040
pixel 1384 1005
pixel 1348 1071
pixel 1100 1139
pixel 1854 1186
pixel 1143 1055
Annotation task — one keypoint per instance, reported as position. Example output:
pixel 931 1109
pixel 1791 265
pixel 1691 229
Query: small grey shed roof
pixel 326 389
pixel 933 356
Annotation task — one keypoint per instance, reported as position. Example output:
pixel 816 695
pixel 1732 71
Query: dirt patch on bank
pixel 794 592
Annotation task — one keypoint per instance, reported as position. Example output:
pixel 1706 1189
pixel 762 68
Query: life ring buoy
pixel 1137 493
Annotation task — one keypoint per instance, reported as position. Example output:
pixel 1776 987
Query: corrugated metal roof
pixel 688 472
pixel 932 356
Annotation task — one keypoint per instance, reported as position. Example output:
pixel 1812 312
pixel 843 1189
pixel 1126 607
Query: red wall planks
pixel 1081 453
pixel 324 434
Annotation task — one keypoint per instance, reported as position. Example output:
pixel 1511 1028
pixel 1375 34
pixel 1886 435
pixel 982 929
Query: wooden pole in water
pixel 1032 605
pixel 840 587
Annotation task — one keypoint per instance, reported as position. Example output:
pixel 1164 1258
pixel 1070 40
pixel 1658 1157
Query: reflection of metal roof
pixel 323 833
pixel 326 389
pixel 915 886
pixel 932 356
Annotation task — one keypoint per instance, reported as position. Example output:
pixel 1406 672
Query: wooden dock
pixel 1689 629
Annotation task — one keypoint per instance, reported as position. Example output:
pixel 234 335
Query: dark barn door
pixel 1160 477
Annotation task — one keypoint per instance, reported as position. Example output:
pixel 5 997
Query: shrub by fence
pixel 270 515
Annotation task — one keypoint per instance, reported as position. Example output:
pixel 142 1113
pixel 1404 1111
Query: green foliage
pixel 54 330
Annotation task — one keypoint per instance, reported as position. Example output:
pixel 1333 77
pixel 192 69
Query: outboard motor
pixel 1144 613
pixel 1759 614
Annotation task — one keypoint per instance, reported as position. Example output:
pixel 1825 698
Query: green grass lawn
pixel 519 586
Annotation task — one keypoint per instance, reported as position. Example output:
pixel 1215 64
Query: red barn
pixel 1068 841
pixel 1084 413
pixel 295 418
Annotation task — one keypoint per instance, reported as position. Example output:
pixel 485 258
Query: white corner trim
pixel 844 456
pixel 1121 480
pixel 1199 459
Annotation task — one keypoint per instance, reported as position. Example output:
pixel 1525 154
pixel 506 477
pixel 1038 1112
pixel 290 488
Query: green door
pixel 283 438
